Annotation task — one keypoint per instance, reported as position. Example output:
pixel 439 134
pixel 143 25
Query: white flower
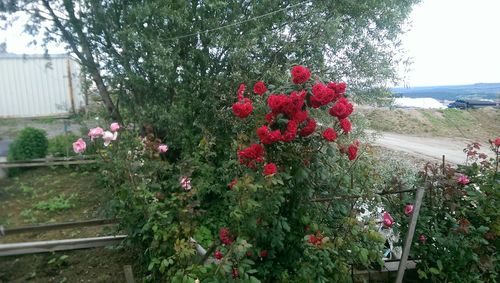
pixel 108 137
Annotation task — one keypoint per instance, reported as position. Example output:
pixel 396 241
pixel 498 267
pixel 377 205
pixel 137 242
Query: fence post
pixel 409 236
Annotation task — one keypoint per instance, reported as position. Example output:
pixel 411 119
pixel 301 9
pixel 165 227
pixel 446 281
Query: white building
pixel 39 86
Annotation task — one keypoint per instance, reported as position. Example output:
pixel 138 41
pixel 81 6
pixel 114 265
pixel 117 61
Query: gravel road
pixel 428 148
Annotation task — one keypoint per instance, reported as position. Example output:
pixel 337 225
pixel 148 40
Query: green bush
pixel 29 144
pixel 62 145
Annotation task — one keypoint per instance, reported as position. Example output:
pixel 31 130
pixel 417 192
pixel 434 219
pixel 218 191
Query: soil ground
pixel 47 195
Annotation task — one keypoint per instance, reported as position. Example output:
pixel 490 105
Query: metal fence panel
pixel 36 86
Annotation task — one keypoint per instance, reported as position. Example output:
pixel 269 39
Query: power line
pixel 238 23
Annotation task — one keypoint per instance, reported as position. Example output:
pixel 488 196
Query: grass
pixel 475 124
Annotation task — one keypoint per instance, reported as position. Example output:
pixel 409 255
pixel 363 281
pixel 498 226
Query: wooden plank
pixel 129 275
pixel 59 245
pixel 41 164
pixel 56 226
pixel 409 235
pixel 50 159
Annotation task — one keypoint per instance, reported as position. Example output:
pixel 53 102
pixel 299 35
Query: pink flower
pixel 96 132
pixel 79 146
pixel 387 220
pixel 408 209
pixel 185 183
pixel 114 127
pixel 108 137
pixel 463 180
pixel 422 238
pixel 162 148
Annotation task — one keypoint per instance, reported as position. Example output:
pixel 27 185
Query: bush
pixel 458 229
pixel 29 144
pixel 62 145
pixel 271 202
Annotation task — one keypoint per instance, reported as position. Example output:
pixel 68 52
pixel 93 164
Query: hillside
pixel 475 91
pixel 477 124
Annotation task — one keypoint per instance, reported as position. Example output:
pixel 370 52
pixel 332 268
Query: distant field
pixel 478 124
pixel 475 91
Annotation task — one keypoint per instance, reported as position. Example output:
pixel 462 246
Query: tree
pixel 178 63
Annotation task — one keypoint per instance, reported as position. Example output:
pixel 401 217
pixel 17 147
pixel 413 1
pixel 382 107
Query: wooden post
pixel 129 275
pixel 443 164
pixel 70 86
pixel 409 236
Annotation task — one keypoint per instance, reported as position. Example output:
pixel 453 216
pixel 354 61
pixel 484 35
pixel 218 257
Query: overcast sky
pixel 450 42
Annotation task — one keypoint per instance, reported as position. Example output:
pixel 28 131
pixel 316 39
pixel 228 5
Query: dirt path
pixel 428 148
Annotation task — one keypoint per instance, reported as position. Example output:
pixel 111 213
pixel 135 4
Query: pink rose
pixel 162 148
pixel 79 146
pixel 185 183
pixel 422 238
pixel 114 127
pixel 108 137
pixel 95 133
pixel 387 220
pixel 408 209
pixel 463 180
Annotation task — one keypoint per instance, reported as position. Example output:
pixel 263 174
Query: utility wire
pixel 240 22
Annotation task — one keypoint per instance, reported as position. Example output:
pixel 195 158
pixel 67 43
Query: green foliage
pixel 461 222
pixel 54 204
pixel 30 143
pixel 62 145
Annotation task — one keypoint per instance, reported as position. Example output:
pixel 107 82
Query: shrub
pixel 458 229
pixel 62 145
pixel 277 200
pixel 29 144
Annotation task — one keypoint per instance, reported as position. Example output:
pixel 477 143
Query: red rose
pixel 309 128
pixel 243 108
pixel 346 126
pixel 263 134
pixel 270 169
pixel 241 90
pixel 259 88
pixel 300 116
pixel 251 155
pixel 275 136
pixel 232 184
pixel 340 88
pixel 300 74
pixel 225 237
pixel 342 109
pixel 352 151
pixel 497 141
pixel 330 135
pixel 263 253
pixel 218 255
pixel 235 273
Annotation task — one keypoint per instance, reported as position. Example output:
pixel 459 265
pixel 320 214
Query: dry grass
pixel 476 124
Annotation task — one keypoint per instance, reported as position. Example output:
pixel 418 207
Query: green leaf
pixel 433 270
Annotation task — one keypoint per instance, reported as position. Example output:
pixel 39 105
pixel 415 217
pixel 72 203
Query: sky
pixel 450 42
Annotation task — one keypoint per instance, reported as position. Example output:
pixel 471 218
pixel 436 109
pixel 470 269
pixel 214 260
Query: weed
pixel 56 203
pixel 28 215
pixel 27 190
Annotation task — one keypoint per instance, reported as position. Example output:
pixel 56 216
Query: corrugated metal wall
pixel 34 86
